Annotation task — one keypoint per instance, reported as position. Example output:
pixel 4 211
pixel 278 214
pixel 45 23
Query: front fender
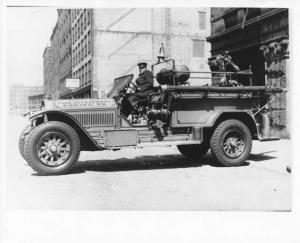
pixel 88 143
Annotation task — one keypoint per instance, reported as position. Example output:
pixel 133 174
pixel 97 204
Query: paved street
pixel 152 179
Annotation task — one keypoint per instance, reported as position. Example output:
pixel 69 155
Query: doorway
pixel 253 57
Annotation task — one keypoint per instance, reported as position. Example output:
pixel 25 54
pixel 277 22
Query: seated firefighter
pixel 223 63
pixel 144 86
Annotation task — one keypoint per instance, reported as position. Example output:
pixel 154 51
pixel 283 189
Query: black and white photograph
pixel 156 109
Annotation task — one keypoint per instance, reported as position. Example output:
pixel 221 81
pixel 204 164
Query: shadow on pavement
pixel 261 156
pixel 153 162
pixel 145 163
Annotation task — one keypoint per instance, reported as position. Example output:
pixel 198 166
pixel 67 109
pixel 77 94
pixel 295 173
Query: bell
pixel 161 54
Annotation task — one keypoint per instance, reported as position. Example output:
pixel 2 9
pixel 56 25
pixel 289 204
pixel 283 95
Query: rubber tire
pixel 34 136
pixel 21 143
pixel 193 151
pixel 217 140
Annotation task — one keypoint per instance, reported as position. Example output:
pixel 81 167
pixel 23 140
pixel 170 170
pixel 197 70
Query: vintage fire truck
pixel 225 119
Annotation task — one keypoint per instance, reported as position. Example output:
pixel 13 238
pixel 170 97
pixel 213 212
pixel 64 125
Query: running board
pixel 157 144
pixel 268 139
pixel 166 143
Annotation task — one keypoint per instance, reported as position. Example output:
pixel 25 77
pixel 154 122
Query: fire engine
pixel 224 118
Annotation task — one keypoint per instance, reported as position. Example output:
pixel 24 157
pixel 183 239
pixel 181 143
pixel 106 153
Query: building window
pixel 89 42
pixel 198 48
pixel 88 16
pixel 73 35
pixel 89 72
pixel 202 20
pixel 76 36
pixel 85 49
pixel 75 62
pixel 84 18
pixel 78 31
pixel 85 73
pixel 82 50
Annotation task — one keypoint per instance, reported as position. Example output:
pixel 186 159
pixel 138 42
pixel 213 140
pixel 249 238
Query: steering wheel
pixel 132 86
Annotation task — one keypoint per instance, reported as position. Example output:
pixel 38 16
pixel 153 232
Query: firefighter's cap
pixel 142 64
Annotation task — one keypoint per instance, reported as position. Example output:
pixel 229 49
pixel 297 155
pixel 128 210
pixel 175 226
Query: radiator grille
pixel 95 119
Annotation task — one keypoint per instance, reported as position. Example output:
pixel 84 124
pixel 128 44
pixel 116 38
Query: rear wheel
pixel 193 151
pixel 231 143
pixel 52 148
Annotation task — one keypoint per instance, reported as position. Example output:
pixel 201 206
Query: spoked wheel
pixel 231 143
pixel 52 148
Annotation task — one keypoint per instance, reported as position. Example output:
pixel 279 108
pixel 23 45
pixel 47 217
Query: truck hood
pixel 73 105
pixel 76 104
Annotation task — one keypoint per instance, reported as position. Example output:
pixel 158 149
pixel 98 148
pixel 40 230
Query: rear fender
pixel 87 142
pixel 246 117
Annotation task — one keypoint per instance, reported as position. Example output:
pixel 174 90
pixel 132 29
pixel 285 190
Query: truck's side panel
pixel 190 118
pixel 210 104
pixel 204 111
pixel 120 138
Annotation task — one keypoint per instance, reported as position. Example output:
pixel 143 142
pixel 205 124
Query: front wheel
pixel 52 148
pixel 231 143
pixel 21 142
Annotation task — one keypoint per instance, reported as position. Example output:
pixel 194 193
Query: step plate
pixel 268 139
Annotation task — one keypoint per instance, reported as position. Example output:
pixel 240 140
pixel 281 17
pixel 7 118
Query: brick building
pixel 48 68
pixel 107 43
pixel 256 37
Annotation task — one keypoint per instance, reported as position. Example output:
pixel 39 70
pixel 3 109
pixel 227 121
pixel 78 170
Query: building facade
pixel 55 44
pixel 107 43
pixel 243 31
pixel 256 38
pixel 18 97
pixel 61 47
pixel 81 24
pixel 65 47
pixel 35 101
pixel 48 68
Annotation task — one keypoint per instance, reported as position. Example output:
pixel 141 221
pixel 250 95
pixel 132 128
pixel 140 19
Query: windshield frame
pixel 119 84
